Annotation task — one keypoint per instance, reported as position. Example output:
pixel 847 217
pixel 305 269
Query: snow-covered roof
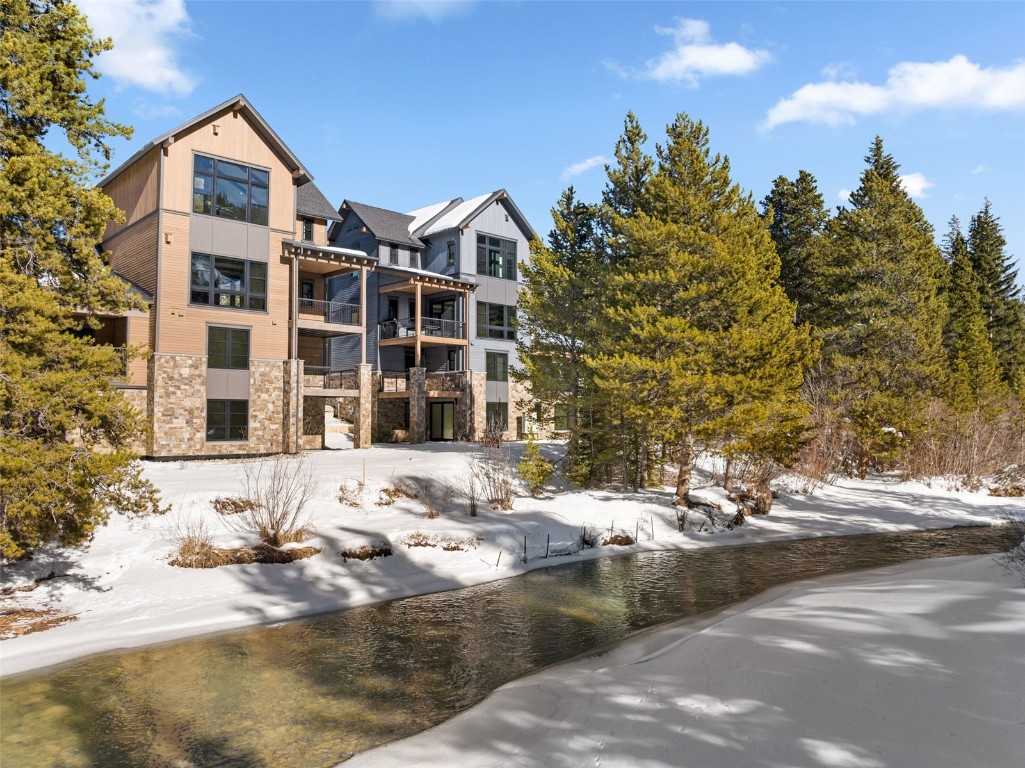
pixel 423 216
pixel 458 215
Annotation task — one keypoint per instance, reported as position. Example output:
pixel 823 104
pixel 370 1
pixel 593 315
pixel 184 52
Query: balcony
pixel 433 330
pixel 329 318
pixel 319 381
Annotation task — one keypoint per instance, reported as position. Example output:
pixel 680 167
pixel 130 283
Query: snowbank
pixel 125 594
pixel 921 664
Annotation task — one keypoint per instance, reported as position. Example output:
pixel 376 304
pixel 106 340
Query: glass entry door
pixel 442 417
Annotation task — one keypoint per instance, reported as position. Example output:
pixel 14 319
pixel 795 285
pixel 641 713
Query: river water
pixel 314 692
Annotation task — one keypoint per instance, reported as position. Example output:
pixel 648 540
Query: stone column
pixel 363 432
pixel 478 386
pixel 417 405
pixel 292 414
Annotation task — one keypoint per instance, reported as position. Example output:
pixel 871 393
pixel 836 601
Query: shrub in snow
pixel 532 467
pixel 367 551
pixel 279 491
pixel 1014 560
pixel 493 474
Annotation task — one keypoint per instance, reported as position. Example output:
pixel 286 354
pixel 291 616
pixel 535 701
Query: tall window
pixel 229 190
pixel 393 254
pixel 498 415
pixel 223 282
pixel 496 257
pixel 308 230
pixel 451 253
pixel 227 420
pixel 562 417
pixel 227 348
pixel 497 366
pixel 496 321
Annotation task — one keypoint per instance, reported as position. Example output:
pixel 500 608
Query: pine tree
pixel 797 219
pixel 64 429
pixel 974 382
pixel 556 323
pixel 999 291
pixel 882 330
pixel 701 343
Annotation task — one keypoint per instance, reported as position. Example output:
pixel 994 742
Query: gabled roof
pixel 424 217
pixel 463 213
pixel 310 201
pixel 237 104
pixel 389 226
pixel 135 288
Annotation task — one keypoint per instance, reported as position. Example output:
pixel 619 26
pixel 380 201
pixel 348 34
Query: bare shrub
pixel 435 498
pixel 397 490
pixel 491 437
pixel 469 489
pixel 1012 492
pixel 446 543
pixel 618 540
pixel 279 490
pixel 351 496
pixel 1014 559
pixel 589 537
pixel 194 546
pixel 367 551
pixel 493 473
pixel 232 505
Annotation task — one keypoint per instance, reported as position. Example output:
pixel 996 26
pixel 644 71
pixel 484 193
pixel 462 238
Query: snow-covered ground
pixel 917 665
pixel 124 593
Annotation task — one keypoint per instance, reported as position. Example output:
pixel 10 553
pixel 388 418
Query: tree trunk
pixel 685 459
pixel 727 476
pixel 642 460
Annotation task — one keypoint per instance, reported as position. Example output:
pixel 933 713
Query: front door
pixel 442 421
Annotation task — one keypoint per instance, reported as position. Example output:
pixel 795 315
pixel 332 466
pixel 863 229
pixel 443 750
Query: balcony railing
pixel 331 311
pixel 322 376
pixel 394 381
pixel 429 326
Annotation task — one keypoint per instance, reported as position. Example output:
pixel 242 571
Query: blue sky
pixel 401 104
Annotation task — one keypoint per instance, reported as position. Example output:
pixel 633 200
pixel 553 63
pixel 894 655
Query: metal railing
pixel 429 326
pixel 330 379
pixel 331 311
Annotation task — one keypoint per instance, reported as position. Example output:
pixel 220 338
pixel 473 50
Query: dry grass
pixel 397 490
pixel 232 505
pixel 194 548
pixel 618 540
pixel 16 621
pixel 1012 491
pixel 351 496
pixel 447 543
pixel 367 551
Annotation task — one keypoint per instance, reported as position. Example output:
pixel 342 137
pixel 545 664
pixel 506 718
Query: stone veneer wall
pixel 390 417
pixel 177 403
pixel 313 423
pixel 139 398
pixel 519 402
pixel 479 402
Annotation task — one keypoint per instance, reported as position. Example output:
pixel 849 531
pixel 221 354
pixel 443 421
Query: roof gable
pixel 310 201
pixel 462 214
pixel 389 226
pixel 239 105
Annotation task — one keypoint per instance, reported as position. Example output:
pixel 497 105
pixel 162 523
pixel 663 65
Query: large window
pixel 496 321
pixel 496 257
pixel 223 282
pixel 227 348
pixel 227 420
pixel 229 190
pixel 563 418
pixel 497 366
pixel 498 415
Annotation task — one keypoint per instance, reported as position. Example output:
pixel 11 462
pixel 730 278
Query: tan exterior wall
pixel 319 230
pixel 135 191
pixel 236 140
pixel 133 252
pixel 183 326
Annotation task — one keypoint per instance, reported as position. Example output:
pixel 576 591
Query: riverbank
pixel 920 664
pixel 122 592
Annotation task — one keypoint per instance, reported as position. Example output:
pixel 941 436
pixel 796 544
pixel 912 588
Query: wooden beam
pixel 363 314
pixel 418 326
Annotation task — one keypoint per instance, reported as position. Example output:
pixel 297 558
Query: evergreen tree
pixel 797 219
pixel 64 463
pixel 701 343
pixel 556 325
pixel 882 330
pixel 974 383
pixel 999 291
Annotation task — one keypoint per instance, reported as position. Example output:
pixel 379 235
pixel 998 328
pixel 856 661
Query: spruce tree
pixel 64 430
pixel 999 291
pixel 796 217
pixel 701 343
pixel 882 329
pixel 974 383
pixel 556 323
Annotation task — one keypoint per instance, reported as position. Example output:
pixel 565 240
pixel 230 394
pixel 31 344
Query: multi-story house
pixel 259 319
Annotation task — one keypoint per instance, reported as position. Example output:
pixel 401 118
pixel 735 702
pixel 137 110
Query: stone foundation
pixel 389 425
pixel 313 423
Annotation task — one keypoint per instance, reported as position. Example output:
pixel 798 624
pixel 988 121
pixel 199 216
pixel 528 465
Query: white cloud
pixel 915 184
pixel 412 10
pixel 839 71
pixel 845 195
pixel 583 166
pixel 909 86
pixel 696 55
pixel 145 33
pixel 981 169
